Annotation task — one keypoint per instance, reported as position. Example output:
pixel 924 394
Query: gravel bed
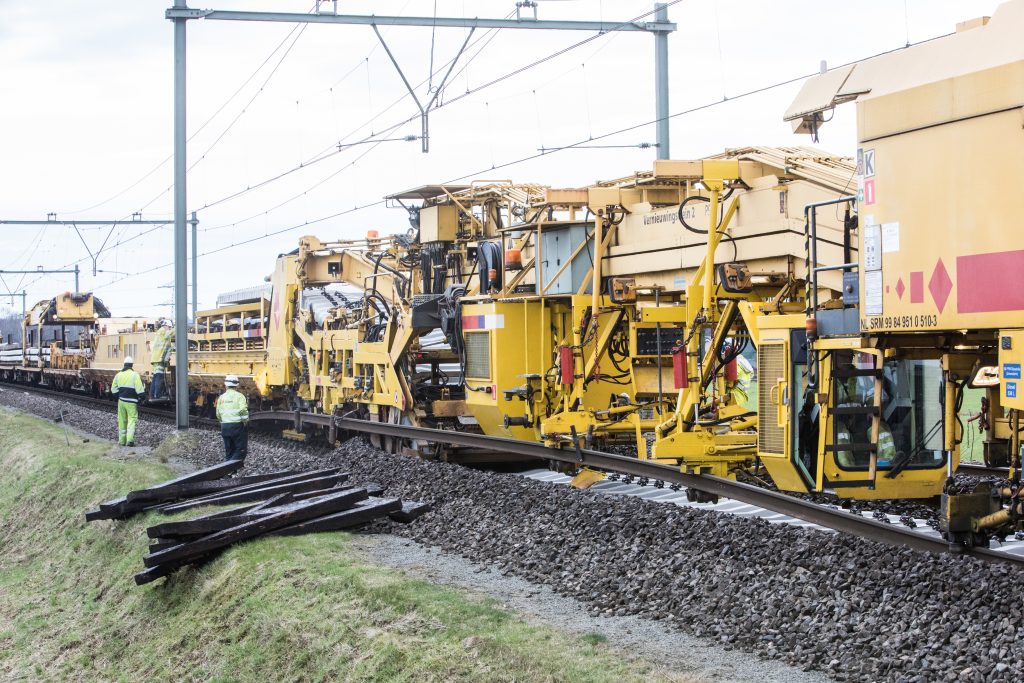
pixel 701 660
pixel 855 609
pixel 907 510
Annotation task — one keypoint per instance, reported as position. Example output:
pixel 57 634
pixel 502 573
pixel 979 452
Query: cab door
pixel 780 381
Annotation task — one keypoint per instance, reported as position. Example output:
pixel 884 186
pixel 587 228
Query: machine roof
pixel 832 171
pixel 428 191
pixel 976 46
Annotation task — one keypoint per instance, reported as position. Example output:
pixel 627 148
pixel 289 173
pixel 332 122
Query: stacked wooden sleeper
pixel 283 503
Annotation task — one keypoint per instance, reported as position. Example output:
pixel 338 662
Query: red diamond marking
pixel 940 285
pixel 900 288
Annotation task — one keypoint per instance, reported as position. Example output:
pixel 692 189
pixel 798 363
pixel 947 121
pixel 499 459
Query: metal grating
pixel 771 367
pixel 478 355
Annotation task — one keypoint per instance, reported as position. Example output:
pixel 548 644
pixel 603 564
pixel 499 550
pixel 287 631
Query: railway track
pixel 1012 551
pixel 982 470
pixel 835 519
pixel 94 401
pixel 785 506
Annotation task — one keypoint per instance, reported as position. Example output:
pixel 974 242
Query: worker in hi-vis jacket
pixel 233 413
pixel 128 388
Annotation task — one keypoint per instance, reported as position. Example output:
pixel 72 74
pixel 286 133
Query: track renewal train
pixel 874 290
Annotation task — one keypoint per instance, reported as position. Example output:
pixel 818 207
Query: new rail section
pixel 828 517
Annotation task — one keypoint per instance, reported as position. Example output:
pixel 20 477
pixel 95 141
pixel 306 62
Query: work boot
pixel 131 444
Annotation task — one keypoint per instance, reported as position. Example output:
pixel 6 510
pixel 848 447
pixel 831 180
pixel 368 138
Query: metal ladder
pixel 874 410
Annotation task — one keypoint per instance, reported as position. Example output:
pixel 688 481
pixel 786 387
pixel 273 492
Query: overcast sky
pixel 86 117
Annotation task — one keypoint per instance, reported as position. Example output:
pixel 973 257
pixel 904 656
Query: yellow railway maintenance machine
pixel 56 341
pixel 354 353
pixel 366 354
pixel 614 322
pixel 312 347
pixel 115 339
pixel 866 402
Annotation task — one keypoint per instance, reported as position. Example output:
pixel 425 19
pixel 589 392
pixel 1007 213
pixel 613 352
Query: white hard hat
pixel 128 360
pixel 231 381
pixel 167 323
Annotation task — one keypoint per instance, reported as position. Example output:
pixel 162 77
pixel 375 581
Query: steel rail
pixel 86 400
pixel 983 470
pixel 837 520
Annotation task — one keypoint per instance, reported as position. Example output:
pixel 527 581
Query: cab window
pixel 911 428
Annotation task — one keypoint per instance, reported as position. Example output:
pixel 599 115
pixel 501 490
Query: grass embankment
pixel 280 609
pixel 972 448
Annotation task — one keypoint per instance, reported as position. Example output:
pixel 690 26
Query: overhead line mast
pixel 51 219
pixel 180 237
pixel 180 13
pixel 42 271
pixel 660 27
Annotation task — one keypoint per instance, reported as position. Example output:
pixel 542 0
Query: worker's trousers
pixel 236 440
pixel 127 417
pixel 156 387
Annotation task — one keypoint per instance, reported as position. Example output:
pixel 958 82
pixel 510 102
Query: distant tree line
pixel 10 328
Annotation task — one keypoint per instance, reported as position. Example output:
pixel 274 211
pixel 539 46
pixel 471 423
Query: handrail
pixel 812 270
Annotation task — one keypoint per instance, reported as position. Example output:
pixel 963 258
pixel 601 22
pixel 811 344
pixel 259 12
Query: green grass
pixel 289 609
pixel 972 447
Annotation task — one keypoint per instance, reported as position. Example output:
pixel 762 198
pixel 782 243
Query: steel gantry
pixel 180 14
pixel 51 219
pixel 43 271
pixel 180 263
pixel 24 296
pixel 660 27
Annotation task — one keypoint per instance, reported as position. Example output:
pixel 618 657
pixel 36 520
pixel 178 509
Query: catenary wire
pixel 523 159
pixel 706 106
pixel 197 131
